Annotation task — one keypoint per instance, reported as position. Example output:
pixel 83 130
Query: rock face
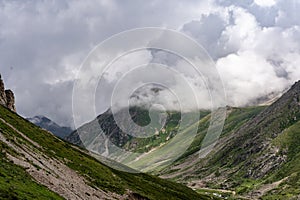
pixel 2 93
pixel 7 97
pixel 10 100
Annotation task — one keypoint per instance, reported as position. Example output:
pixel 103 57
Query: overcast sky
pixel 255 44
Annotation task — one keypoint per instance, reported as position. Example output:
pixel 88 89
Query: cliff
pixel 7 97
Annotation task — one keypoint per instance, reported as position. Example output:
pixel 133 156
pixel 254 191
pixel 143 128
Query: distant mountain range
pixel 51 126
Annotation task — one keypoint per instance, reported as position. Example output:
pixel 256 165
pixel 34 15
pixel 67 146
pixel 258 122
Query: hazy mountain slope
pixel 68 171
pixel 51 126
pixel 235 118
pixel 260 158
pixel 106 123
pixel 257 155
pixel 95 133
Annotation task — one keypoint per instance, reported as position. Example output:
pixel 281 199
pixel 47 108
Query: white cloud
pixel 246 80
pixel 255 43
pixel 43 43
pixel 256 60
pixel 265 3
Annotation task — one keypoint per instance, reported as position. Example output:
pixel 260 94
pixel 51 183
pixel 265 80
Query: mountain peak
pixel 48 124
pixel 7 97
pixel 296 85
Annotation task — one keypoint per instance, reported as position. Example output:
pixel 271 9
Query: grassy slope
pixel 167 153
pixel 288 142
pixel 15 183
pixel 98 174
pixel 170 130
pixel 284 125
pixel 249 151
pixel 236 118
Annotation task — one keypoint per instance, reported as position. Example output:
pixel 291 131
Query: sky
pixel 255 45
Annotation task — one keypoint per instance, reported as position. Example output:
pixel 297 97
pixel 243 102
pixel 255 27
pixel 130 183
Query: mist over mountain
pixel 258 145
pixel 255 46
pixel 150 100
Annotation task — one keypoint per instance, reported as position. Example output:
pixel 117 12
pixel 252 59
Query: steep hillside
pixel 96 134
pixel 37 165
pixel 51 126
pixel 106 123
pixel 257 155
pixel 258 159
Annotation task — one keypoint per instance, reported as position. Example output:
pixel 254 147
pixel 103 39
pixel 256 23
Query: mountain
pixel 51 126
pixel 7 97
pixel 109 126
pixel 256 157
pixel 104 134
pixel 37 165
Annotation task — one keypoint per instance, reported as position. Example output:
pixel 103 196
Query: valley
pixel 59 169
pixel 255 157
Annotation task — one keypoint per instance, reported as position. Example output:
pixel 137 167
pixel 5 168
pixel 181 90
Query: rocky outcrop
pixel 7 97
pixel 2 93
pixel 10 100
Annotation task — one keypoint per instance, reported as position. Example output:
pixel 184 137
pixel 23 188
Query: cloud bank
pixel 255 44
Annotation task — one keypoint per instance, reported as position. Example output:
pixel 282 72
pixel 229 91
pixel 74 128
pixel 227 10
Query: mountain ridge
pixel 48 124
pixel 249 157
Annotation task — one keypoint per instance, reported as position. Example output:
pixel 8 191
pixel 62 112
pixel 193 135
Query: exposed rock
pixel 135 196
pixel 10 100
pixel 2 92
pixel 7 97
